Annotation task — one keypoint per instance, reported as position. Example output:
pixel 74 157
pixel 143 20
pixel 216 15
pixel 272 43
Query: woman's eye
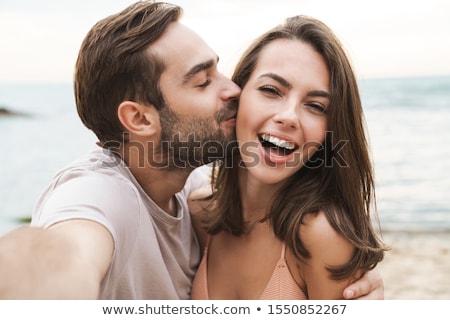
pixel 270 90
pixel 318 107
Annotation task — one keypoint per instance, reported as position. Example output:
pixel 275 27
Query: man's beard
pixel 192 141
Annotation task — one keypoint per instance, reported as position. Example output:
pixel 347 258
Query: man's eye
pixel 204 84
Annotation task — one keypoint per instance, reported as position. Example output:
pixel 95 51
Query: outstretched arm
pixel 66 261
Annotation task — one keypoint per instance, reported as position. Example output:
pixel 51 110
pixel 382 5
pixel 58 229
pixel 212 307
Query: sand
pixel 417 267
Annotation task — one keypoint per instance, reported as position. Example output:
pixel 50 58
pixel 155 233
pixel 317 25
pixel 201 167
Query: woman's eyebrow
pixel 282 81
pixel 319 93
pixel 277 78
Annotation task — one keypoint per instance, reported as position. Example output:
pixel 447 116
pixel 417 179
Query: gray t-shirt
pixel 155 254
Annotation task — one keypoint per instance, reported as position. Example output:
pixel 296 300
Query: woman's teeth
pixel 278 142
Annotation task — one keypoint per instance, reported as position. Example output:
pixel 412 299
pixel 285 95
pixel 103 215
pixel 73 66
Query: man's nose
pixel 231 90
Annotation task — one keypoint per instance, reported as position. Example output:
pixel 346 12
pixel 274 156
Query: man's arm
pixel 369 287
pixel 66 261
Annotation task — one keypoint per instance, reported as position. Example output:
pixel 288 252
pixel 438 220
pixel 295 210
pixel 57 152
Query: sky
pixel 40 39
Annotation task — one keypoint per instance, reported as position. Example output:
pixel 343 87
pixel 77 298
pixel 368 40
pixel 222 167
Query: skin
pixel 69 260
pixel 286 97
pixel 278 102
pixel 183 50
pixel 196 93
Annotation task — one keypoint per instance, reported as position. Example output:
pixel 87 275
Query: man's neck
pixel 161 185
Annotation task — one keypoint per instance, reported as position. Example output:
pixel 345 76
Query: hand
pixel 199 199
pixel 368 287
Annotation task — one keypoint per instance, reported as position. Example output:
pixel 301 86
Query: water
pixel 408 121
pixel 34 146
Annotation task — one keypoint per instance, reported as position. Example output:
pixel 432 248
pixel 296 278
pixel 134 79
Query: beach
pixel 417 266
pixel 407 120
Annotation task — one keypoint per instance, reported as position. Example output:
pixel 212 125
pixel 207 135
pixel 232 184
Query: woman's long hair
pixel 337 180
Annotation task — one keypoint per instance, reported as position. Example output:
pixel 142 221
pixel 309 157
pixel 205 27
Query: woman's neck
pixel 256 197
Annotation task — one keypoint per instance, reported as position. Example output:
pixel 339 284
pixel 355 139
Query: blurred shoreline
pixel 417 266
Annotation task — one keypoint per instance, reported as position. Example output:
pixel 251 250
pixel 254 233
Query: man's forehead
pixel 183 51
pixel 179 40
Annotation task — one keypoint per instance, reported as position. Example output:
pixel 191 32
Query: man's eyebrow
pixel 198 68
pixel 287 84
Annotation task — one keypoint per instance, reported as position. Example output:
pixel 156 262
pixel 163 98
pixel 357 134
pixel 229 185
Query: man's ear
pixel 142 120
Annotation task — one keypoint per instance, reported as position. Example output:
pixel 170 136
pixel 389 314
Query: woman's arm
pixel 327 248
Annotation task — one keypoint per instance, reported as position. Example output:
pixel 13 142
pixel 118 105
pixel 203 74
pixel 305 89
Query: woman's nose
pixel 288 116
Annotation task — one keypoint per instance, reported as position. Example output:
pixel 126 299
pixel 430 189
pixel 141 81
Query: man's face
pixel 200 116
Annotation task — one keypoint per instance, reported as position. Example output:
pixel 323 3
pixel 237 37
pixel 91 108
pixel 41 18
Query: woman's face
pixel 282 111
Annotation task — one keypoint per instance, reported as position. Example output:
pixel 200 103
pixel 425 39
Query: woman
pixel 291 218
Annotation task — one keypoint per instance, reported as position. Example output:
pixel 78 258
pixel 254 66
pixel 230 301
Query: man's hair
pixel 115 64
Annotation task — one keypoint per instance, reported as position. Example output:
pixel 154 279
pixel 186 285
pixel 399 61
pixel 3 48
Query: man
pixel 115 222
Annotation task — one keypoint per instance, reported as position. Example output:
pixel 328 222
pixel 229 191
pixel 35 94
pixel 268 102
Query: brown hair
pixel 114 65
pixel 342 185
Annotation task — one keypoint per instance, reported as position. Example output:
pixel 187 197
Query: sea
pixel 408 124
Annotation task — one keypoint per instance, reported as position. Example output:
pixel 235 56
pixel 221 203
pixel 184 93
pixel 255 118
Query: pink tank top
pixel 281 285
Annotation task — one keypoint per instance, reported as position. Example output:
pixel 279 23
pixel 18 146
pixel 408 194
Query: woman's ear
pixel 142 120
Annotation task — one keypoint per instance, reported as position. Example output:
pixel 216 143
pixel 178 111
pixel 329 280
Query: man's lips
pixel 226 114
pixel 231 117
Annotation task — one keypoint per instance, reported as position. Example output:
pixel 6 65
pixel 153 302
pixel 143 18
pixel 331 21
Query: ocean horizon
pixel 407 120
